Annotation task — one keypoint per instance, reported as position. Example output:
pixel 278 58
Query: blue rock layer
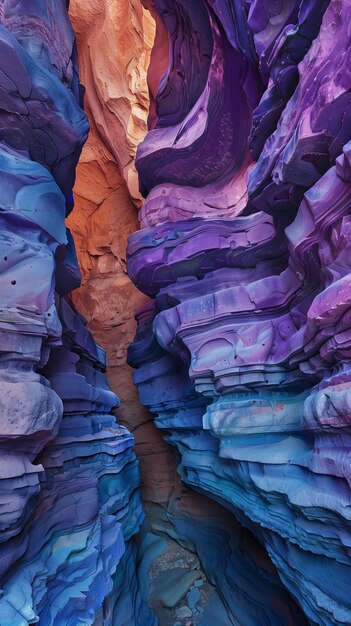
pixel 69 480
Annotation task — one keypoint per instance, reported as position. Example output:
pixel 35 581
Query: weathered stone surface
pixel 244 356
pixel 243 353
pixel 69 483
pixel 114 43
pixel 104 216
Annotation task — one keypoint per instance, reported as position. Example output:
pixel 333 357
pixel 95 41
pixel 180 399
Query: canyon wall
pixel 243 352
pixel 241 272
pixel 114 42
pixel 114 49
pixel 70 502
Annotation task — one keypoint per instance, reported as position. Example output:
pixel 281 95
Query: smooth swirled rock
pixel 244 355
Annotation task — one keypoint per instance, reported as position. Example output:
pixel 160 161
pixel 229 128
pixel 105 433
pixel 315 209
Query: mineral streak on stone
pixel 244 354
pixel 69 505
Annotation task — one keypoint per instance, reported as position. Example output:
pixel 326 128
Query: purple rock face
pixel 69 497
pixel 244 356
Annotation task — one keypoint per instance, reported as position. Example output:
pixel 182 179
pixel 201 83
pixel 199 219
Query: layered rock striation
pixel 242 349
pixel 70 504
pixel 243 353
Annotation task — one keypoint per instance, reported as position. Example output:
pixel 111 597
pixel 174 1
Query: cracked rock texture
pixel 243 353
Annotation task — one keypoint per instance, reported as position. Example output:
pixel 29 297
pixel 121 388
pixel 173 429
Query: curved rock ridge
pixel 244 354
pixel 194 160
pixel 70 504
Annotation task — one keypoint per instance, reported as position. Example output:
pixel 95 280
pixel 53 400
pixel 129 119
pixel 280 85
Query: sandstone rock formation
pixel 70 502
pixel 242 346
pixel 114 43
pixel 243 355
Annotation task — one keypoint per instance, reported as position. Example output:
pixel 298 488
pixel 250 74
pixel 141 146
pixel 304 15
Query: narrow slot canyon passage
pixel 179 589
pixel 175 380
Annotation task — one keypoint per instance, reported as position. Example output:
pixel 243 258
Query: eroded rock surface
pixel 243 355
pixel 69 483
pixel 114 43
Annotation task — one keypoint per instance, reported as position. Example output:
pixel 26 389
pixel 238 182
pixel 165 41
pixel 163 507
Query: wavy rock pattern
pixel 244 355
pixel 69 505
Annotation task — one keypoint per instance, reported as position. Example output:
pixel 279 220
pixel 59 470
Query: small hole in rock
pixel 13 282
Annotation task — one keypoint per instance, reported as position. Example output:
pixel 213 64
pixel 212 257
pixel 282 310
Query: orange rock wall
pixel 114 45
